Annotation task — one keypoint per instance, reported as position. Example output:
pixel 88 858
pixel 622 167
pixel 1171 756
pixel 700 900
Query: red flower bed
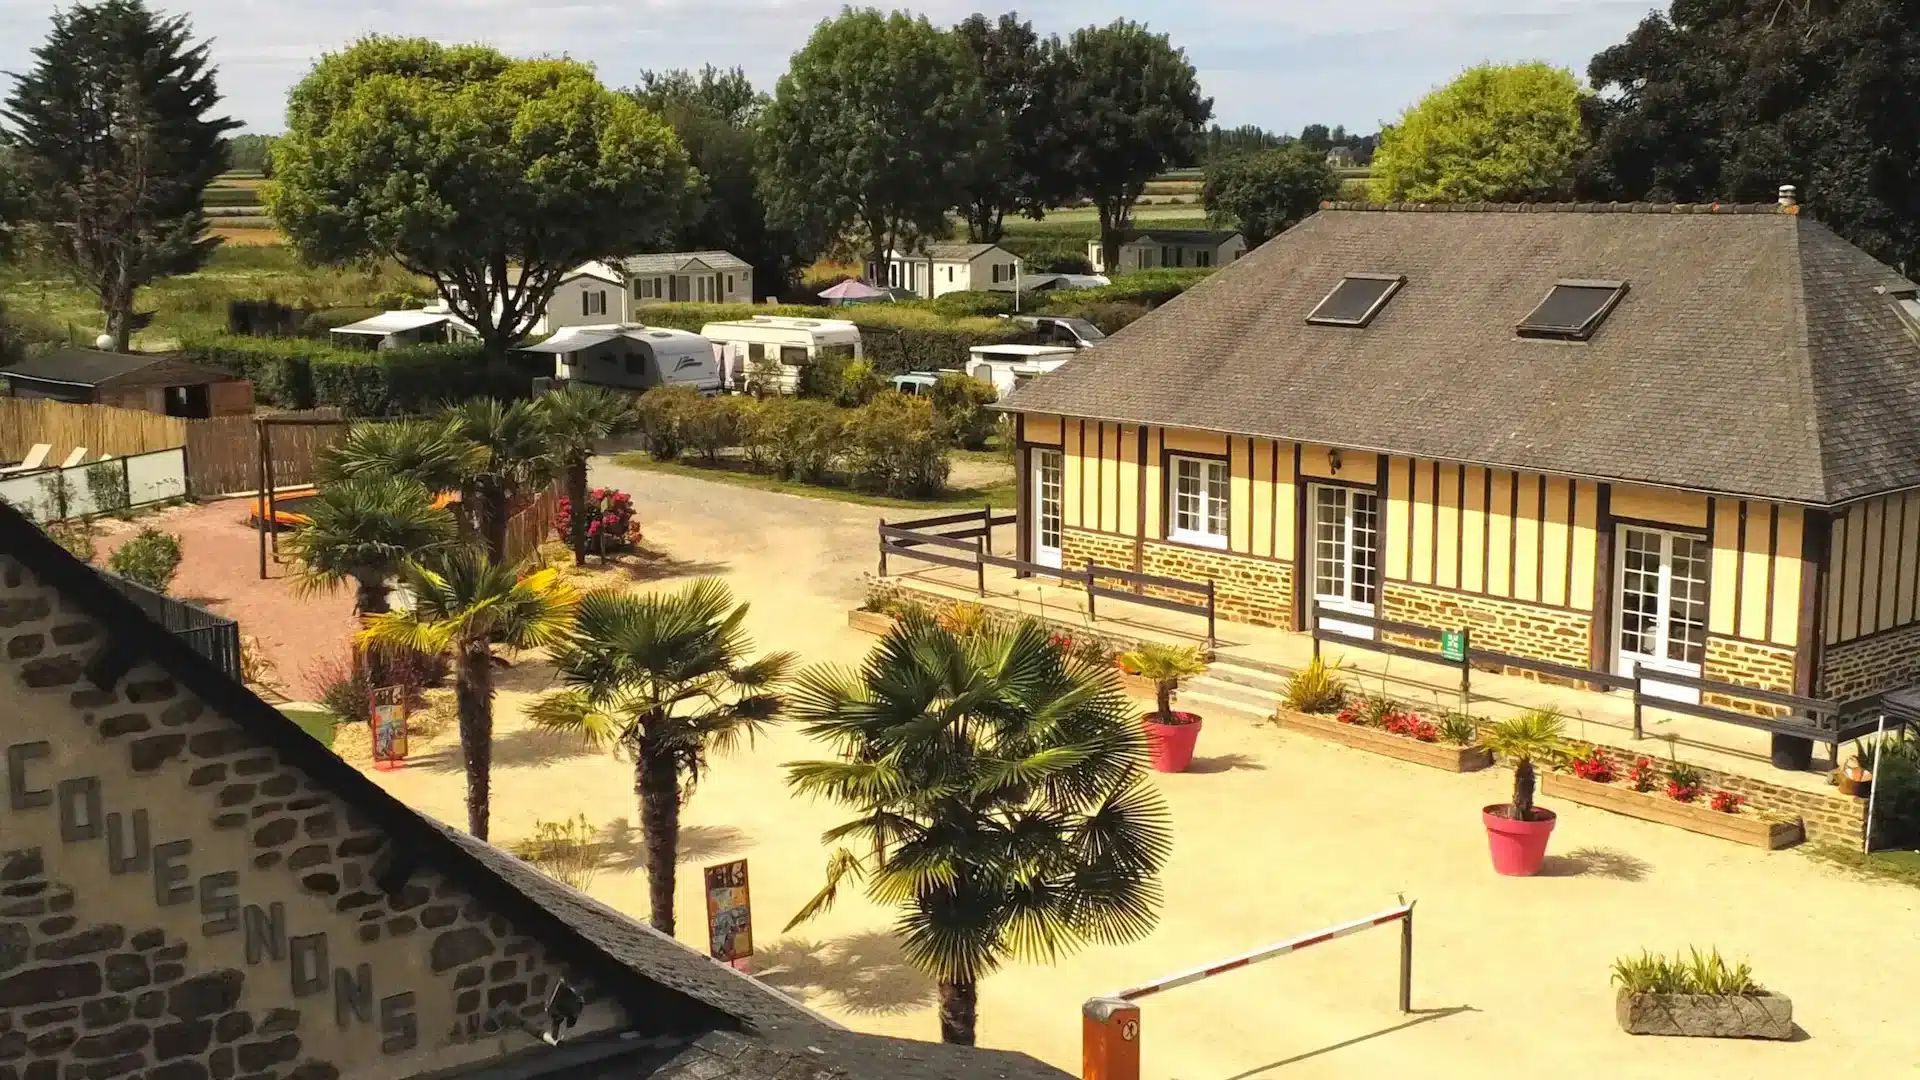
pixel 1679 792
pixel 1411 726
pixel 1726 801
pixel 1593 765
pixel 612 526
pixel 1643 775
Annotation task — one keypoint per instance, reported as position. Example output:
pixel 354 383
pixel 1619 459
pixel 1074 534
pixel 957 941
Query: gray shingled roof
pixel 1751 354
pixel 957 252
pixel 1179 236
pixel 93 367
pixel 670 262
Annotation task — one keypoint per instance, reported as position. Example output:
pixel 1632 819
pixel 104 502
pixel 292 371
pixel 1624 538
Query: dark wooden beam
pixel 1816 557
pixel 1601 646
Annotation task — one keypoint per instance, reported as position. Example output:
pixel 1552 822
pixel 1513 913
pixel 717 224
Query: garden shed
pixel 151 382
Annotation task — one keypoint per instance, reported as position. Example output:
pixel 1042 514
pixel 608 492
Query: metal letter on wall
pixel 126 855
pixel 220 903
pixel 19 795
pixel 353 995
pixel 170 873
pixel 399 1028
pixel 266 931
pixel 307 960
pixel 79 809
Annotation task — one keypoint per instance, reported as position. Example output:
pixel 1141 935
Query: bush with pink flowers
pixel 611 529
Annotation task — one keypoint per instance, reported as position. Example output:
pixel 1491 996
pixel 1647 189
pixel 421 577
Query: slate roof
pixel 93 367
pixel 708 1021
pixel 674 261
pixel 1214 237
pixel 1751 354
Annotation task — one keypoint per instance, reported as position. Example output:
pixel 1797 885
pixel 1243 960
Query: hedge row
pixel 296 374
pixel 895 338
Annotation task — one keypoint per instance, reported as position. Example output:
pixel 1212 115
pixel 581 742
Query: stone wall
pixel 1258 592
pixel 1530 630
pixel 1870 665
pixel 179 903
pixel 1078 547
pixel 1830 817
pixel 1748 663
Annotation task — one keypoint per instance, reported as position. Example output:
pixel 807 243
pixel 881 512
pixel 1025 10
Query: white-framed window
pixel 593 302
pixel 1197 501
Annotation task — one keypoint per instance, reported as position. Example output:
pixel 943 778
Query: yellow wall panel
pixel 1156 485
pixel 1756 555
pixel 1399 523
pixel 1446 534
pixel 1072 488
pixel 1554 544
pixel 1836 569
pixel 1660 505
pixel 1847 577
pixel 1526 538
pixel 1786 576
pixel 1889 611
pixel 1584 553
pixel 1356 466
pixel 1263 498
pixel 1473 532
pixel 1286 496
pixel 1240 496
pixel 1129 501
pixel 1110 477
pixel 1909 555
pixel 1723 575
pixel 1196 442
pixel 1500 535
pixel 1871 566
pixel 1043 429
pixel 1422 552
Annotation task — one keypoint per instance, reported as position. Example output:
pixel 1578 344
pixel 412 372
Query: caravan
pixel 1007 366
pixel 632 357
pixel 771 349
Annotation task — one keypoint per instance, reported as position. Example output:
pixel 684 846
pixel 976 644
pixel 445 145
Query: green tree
pixel 1000 798
pixel 1263 194
pixel 716 116
pixel 1727 101
pixel 361 530
pixel 463 604
pixel 663 678
pixel 1498 133
pixel 577 418
pixel 1018 168
pixel 872 131
pixel 250 153
pixel 492 177
pixel 1133 110
pixel 521 455
pixel 1317 138
pixel 1219 142
pixel 112 131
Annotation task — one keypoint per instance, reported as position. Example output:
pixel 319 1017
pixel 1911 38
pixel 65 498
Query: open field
pixel 1275 834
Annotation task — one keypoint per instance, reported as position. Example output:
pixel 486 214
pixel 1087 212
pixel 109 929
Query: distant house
pixel 152 382
pixel 597 293
pixel 1152 249
pixel 1340 157
pixel 938 269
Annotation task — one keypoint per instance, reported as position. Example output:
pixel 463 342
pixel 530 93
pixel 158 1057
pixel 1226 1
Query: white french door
pixel 1345 535
pixel 1047 490
pixel 1661 597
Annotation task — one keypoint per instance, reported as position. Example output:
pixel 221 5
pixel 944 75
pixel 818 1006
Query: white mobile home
pixel 599 293
pixel 1007 366
pixel 1155 249
pixel 939 269
pixel 632 357
pixel 779 345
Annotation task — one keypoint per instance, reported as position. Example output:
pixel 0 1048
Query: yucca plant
pixel 1000 796
pixel 1531 737
pixel 1317 688
pixel 1705 973
pixel 564 849
pixel 1165 666
pixel 1459 729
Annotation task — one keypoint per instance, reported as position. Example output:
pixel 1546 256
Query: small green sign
pixel 1453 645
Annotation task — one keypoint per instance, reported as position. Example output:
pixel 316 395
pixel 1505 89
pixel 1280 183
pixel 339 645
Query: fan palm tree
pixel 577 418
pixel 1532 736
pixel 1165 666
pixel 463 603
pixel 432 452
pixel 664 679
pixel 362 530
pixel 519 457
pixel 1001 798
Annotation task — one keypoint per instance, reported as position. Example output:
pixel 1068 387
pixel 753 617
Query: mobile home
pixel 778 346
pixel 1007 366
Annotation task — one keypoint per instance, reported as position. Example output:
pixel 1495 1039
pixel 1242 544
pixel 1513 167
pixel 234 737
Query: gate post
pixel 883 547
pixel 980 565
pixel 1109 1039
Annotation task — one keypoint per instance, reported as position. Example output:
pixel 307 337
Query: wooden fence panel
pixel 100 428
pixel 532 525
pixel 224 453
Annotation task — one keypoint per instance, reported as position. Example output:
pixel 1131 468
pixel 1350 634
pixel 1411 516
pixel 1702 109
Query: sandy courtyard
pixel 1276 834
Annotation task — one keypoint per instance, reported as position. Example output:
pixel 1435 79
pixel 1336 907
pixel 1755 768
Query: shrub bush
pixel 150 558
pixel 973 303
pixel 709 425
pixel 846 382
pixel 896 445
pixel 659 414
pixel 318 324
pixel 1896 814
pixel 796 438
pixel 1149 287
pixel 1111 316
pixel 960 405
pixel 611 530
pixel 297 374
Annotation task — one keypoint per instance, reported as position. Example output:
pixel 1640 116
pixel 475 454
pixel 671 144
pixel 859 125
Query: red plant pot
pixel 1170 746
pixel 1518 847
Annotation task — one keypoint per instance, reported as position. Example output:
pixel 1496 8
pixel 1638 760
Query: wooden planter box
pixel 1762 1016
pixel 1744 828
pixel 872 622
pixel 1438 755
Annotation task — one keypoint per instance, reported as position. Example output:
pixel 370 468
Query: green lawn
pixel 998 495
pixel 1083 222
pixel 318 723
pixel 1903 866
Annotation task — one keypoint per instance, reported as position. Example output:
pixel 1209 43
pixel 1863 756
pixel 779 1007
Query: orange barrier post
pixel 1109 1039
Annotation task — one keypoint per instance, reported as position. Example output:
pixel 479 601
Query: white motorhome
pixel 632 357
pixel 779 345
pixel 1007 366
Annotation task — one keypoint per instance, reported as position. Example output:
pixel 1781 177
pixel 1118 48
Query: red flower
pixel 1642 776
pixel 1726 801
pixel 1682 792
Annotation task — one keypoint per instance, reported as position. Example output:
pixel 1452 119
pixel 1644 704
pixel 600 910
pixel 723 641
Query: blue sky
pixel 1276 63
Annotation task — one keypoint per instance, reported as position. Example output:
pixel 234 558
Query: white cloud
pixel 1278 63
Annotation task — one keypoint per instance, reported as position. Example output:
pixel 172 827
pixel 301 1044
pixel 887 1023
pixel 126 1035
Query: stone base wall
pixel 1855 669
pixel 1078 547
pixel 1748 663
pixel 1830 817
pixel 1541 633
pixel 1258 592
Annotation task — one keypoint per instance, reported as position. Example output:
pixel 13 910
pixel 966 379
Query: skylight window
pixel 1573 310
pixel 1356 300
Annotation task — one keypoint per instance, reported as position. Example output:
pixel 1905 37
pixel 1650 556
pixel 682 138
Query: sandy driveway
pixel 1277 834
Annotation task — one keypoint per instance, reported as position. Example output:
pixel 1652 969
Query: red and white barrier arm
pixel 1267 952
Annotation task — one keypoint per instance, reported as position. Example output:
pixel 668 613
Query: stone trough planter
pixel 1753 830
pixel 872 622
pixel 1437 755
pixel 1761 1016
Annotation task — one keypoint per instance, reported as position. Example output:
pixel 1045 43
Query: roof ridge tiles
pixel 1563 207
